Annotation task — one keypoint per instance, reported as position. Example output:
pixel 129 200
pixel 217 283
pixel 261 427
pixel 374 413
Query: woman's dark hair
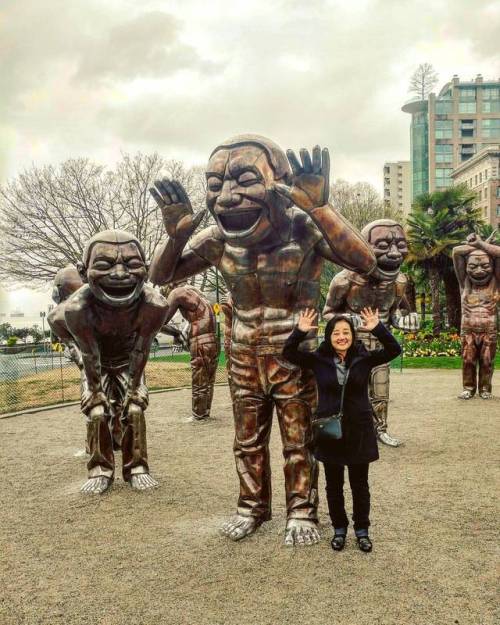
pixel 326 346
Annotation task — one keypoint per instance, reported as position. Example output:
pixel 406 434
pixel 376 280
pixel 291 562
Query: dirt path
pixel 156 558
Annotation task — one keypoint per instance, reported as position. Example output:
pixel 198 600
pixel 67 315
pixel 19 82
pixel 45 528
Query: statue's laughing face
pixel 116 273
pixel 239 193
pixel 390 247
pixel 479 268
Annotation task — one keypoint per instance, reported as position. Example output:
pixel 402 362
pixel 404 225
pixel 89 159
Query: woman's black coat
pixel 359 442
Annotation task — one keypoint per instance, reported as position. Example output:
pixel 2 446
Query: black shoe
pixel 365 544
pixel 338 542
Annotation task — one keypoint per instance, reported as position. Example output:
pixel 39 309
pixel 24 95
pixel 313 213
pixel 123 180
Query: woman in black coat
pixel 339 358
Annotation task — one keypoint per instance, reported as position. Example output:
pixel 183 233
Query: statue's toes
pixel 290 538
pixel 96 485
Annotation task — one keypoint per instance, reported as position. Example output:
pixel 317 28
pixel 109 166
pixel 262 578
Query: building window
pixel 443 176
pixel 498 192
pixel 467 94
pixel 491 106
pixel 486 174
pixel 479 195
pixel 485 192
pixel 444 129
pixel 480 177
pixel 444 153
pixel 491 128
pixel 467 127
pixel 466 107
pixel 491 93
pixel 467 150
pixel 475 180
pixel 444 107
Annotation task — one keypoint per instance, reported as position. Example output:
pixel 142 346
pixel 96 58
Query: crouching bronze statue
pixel 477 266
pixel 270 255
pixel 112 319
pixel 351 292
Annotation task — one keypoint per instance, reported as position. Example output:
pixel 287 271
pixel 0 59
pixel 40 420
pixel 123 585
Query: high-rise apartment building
pixel 481 173
pixel 397 186
pixel 449 128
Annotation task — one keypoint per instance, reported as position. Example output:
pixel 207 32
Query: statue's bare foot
pixel 301 532
pixel 485 395
pixel 388 440
pixel 465 395
pixel 193 419
pixel 239 527
pixel 142 481
pixel 96 485
pixel 81 454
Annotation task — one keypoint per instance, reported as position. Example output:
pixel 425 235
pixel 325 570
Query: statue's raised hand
pixel 311 178
pixel 178 216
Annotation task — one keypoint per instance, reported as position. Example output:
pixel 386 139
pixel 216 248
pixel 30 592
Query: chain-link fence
pixel 33 376
pixel 38 375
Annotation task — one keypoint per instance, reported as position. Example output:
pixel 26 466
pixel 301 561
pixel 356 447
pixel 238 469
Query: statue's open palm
pixel 177 212
pixel 311 178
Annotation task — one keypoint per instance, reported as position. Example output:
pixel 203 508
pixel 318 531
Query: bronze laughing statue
pixel 203 345
pixel 477 265
pixel 270 255
pixel 112 320
pixel 350 292
pixel 66 282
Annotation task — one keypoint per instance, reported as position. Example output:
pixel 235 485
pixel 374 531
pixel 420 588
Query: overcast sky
pixel 97 77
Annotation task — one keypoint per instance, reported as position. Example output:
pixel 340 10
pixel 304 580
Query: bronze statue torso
pixel 479 307
pixel 270 285
pixel 194 308
pixel 361 292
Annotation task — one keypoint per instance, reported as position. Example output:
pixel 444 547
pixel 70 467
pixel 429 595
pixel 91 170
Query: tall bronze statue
pixel 203 344
pixel 477 265
pixel 350 292
pixel 270 255
pixel 113 319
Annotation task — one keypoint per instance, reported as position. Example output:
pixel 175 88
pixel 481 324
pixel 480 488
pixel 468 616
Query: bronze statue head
pixel 240 176
pixel 479 267
pixel 66 281
pixel 114 265
pixel 388 241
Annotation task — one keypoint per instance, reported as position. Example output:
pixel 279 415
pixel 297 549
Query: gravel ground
pixel 156 558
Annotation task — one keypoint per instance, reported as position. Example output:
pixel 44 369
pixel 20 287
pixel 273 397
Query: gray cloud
pixel 100 77
pixel 146 46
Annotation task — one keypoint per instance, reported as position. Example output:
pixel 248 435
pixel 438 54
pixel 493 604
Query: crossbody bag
pixel 327 429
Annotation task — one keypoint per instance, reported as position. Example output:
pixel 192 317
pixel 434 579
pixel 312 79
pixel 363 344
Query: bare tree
pixel 360 203
pixel 47 214
pixel 423 80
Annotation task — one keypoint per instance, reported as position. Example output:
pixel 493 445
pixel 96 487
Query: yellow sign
pixel 216 308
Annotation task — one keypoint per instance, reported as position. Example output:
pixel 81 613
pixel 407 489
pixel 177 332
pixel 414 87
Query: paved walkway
pixel 157 559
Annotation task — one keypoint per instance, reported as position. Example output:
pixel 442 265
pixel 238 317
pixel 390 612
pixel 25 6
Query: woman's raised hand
pixel 370 318
pixel 307 318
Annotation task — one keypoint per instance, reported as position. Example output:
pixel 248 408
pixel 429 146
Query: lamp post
pixel 42 315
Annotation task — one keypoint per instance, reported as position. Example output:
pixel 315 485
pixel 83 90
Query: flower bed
pixel 423 344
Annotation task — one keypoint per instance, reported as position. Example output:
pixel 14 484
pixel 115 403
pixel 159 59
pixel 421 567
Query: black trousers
pixel 358 479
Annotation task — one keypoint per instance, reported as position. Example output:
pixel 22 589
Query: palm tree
pixel 438 221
